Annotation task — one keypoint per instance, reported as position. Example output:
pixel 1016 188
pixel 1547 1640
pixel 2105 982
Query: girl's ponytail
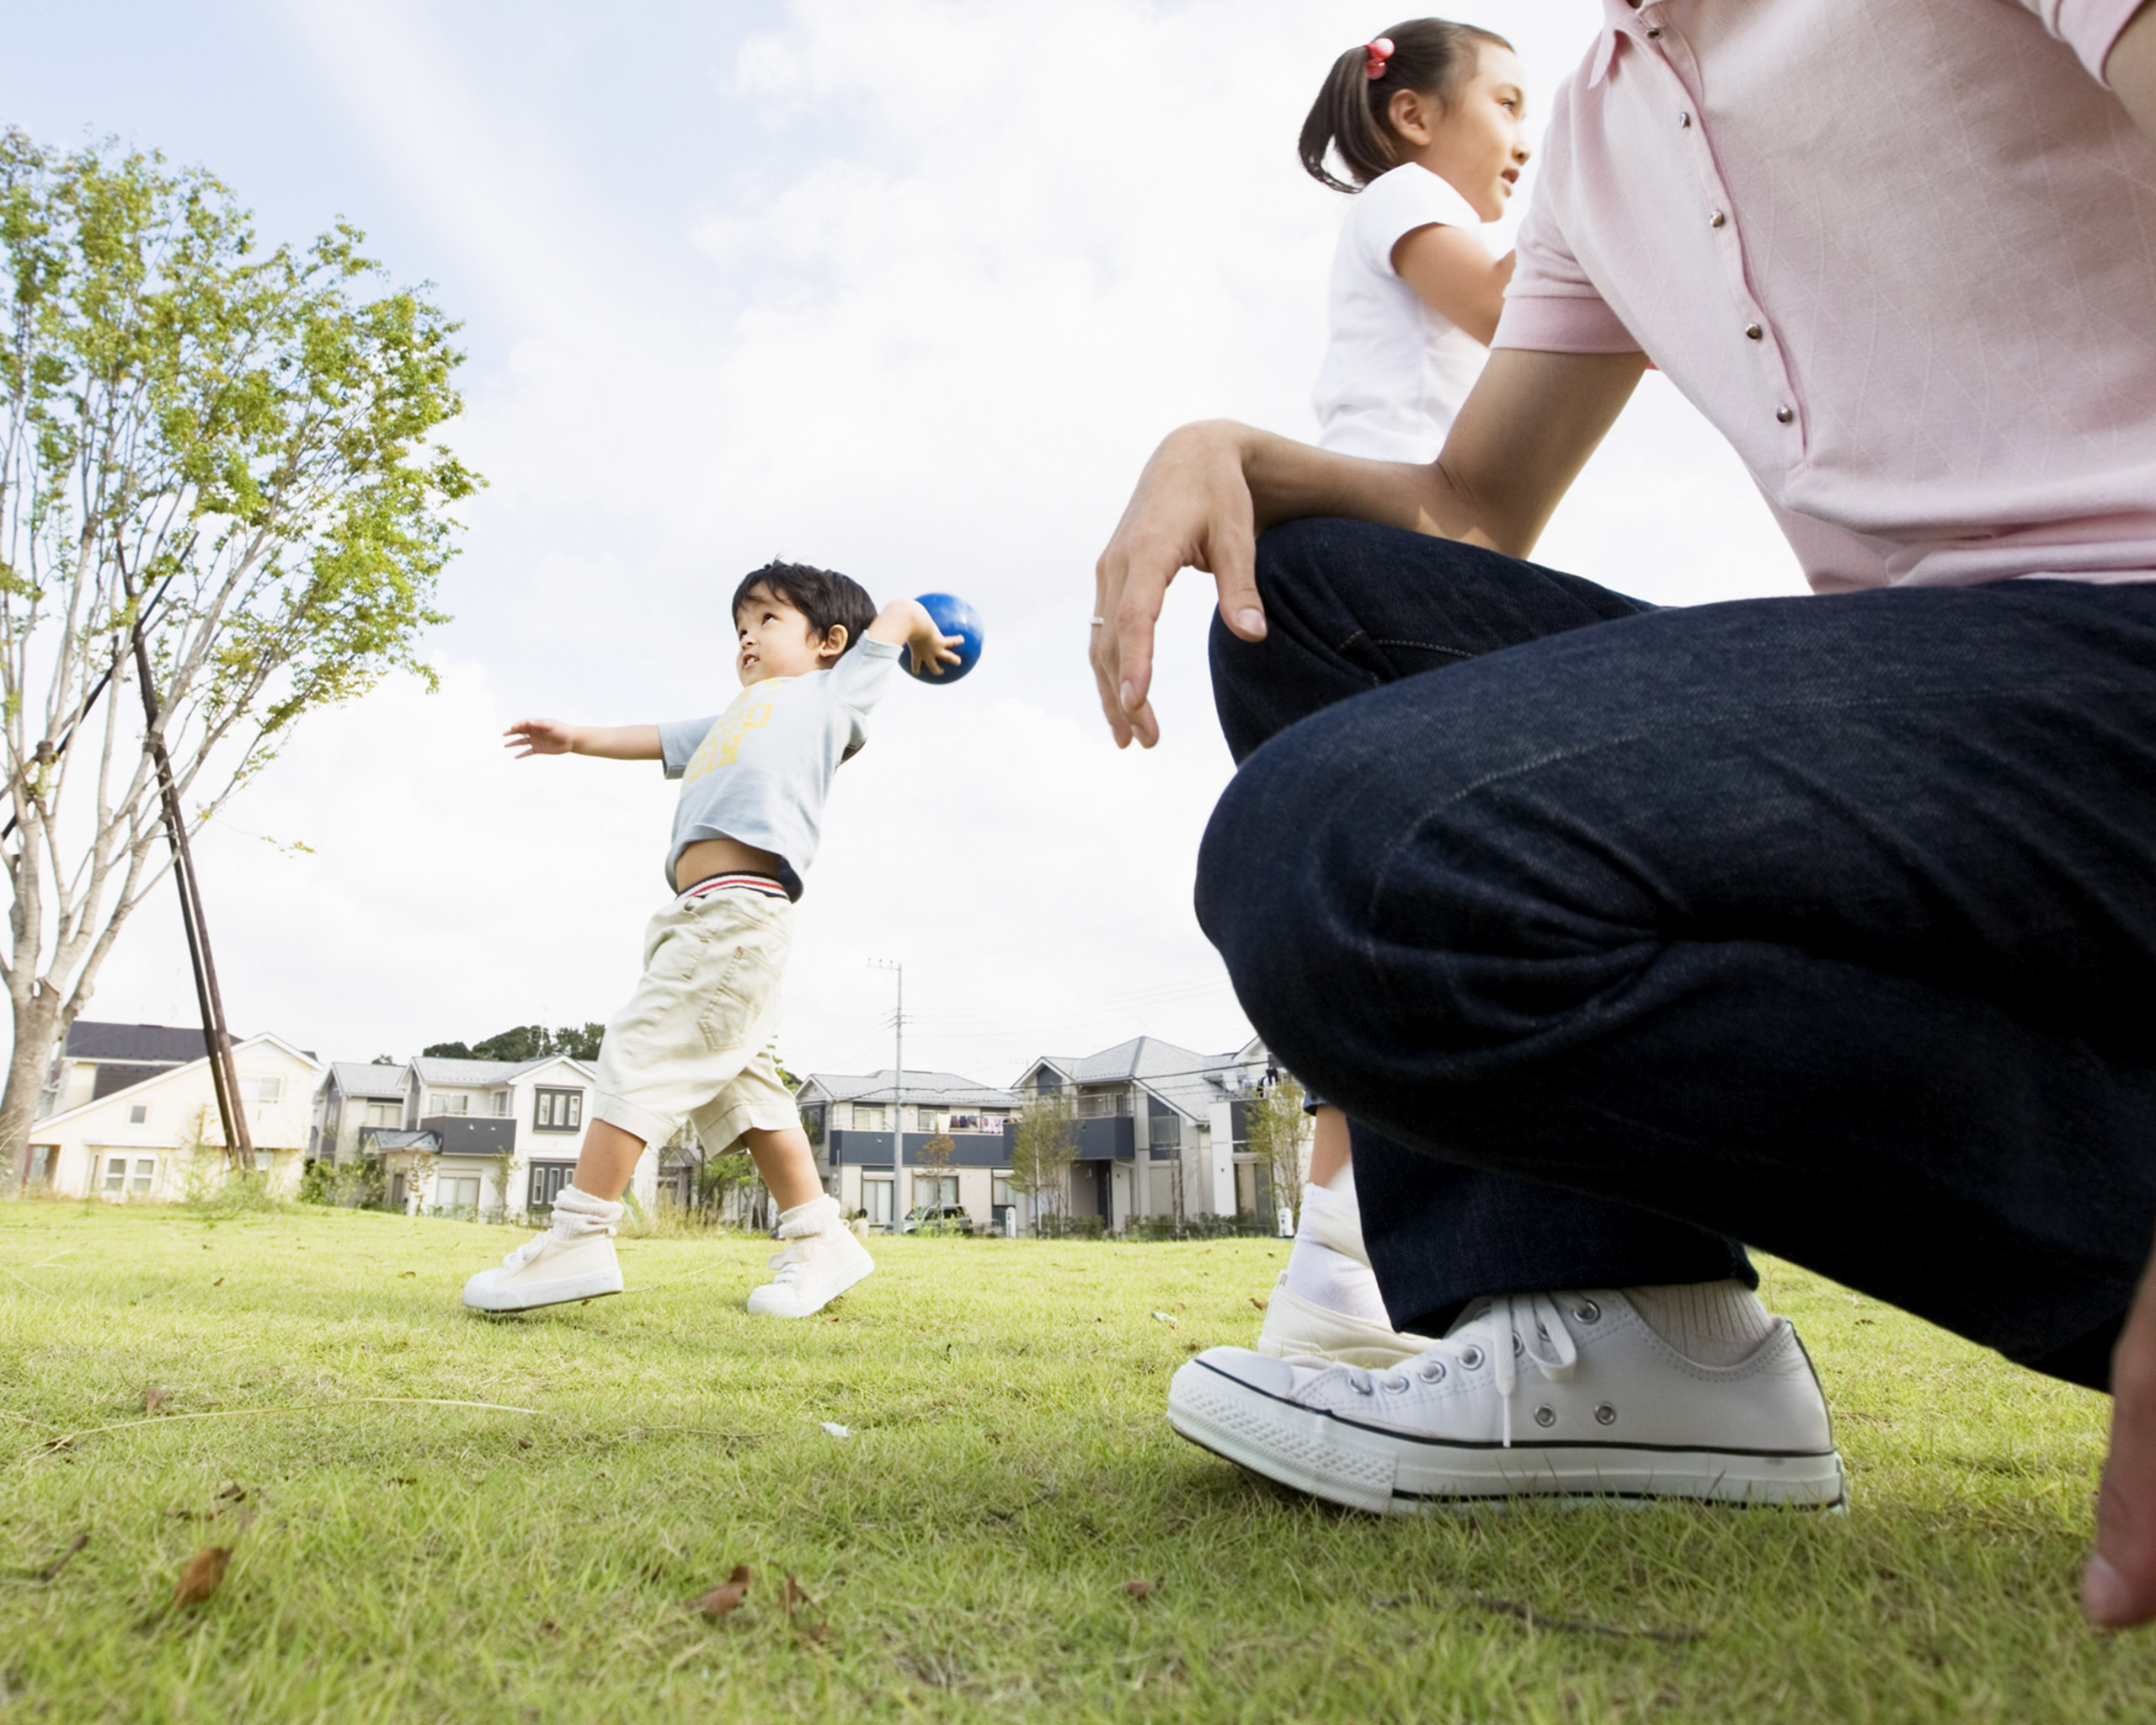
pixel 1428 55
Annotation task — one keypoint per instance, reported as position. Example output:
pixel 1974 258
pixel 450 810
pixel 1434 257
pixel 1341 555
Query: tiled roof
pixel 947 1089
pixel 434 1070
pixel 1186 1080
pixel 148 1044
pixel 356 1080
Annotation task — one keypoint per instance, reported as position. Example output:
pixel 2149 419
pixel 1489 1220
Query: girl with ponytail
pixel 1426 118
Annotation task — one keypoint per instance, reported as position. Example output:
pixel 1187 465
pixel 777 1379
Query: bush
pixel 353 1186
pixel 1240 1227
pixel 242 1191
pixel 1056 1227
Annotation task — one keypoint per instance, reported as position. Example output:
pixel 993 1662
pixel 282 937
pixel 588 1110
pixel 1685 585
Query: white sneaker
pixel 813 1271
pixel 548 1269
pixel 1532 1395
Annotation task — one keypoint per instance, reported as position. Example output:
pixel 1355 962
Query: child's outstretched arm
pixel 907 622
pixel 549 736
pixel 1454 275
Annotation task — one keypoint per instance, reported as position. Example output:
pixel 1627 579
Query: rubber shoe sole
pixel 1392 1473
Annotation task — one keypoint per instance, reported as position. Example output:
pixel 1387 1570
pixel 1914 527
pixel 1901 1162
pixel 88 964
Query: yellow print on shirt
pixel 721 743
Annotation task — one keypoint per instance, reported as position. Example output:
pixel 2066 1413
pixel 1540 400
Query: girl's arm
pixel 1455 277
pixel 548 736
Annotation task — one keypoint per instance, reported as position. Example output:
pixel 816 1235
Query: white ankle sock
pixel 578 1214
pixel 817 1216
pixel 1714 1323
pixel 1326 1265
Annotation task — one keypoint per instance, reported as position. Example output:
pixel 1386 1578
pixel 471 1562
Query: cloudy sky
pixel 906 287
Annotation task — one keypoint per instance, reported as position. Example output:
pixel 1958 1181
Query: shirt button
pixel 1716 219
pixel 1752 331
pixel 1784 415
pixel 1683 118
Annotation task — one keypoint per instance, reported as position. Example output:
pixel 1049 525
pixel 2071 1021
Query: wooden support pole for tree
pixel 224 1075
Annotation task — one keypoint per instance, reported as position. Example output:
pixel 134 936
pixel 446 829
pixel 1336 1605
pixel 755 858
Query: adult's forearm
pixel 1289 480
pixel 2132 69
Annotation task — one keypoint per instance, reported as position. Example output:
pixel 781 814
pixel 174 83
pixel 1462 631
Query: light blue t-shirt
pixel 760 771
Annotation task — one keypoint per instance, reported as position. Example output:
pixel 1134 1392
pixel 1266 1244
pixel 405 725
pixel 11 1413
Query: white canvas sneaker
pixel 813 1271
pixel 548 1269
pixel 1300 1328
pixel 1532 1395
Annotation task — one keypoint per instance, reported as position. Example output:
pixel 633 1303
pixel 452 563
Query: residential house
pixel 1160 1129
pixel 128 1121
pixel 848 1119
pixel 353 1098
pixel 489 1138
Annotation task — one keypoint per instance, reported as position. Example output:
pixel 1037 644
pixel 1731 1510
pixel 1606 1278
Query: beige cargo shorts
pixel 695 1040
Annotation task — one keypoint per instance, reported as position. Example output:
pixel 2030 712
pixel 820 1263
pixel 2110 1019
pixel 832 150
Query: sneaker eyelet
pixel 1518 1346
pixel 1433 1372
pixel 1545 1416
pixel 1470 1357
pixel 1395 1386
pixel 1362 1387
pixel 1586 1311
pixel 1605 1415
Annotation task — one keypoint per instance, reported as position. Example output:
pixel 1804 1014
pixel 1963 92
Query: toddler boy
pixel 695 1039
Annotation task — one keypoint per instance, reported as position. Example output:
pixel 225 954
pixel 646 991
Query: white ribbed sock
pixel 817 1216
pixel 1326 1265
pixel 578 1214
pixel 1714 1323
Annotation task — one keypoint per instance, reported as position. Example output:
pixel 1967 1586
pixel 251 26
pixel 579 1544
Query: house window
pixel 547 1179
pixel 137 1113
pixel 868 1118
pixel 999 1190
pixel 462 1192
pixel 255 1087
pixel 501 1102
pixel 41 1160
pixel 1163 1131
pixel 558 1110
pixel 120 1181
pixel 450 1101
pixel 385 1113
pixel 876 1200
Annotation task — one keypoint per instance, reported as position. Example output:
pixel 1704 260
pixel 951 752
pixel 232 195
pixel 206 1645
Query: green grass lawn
pixel 966 1548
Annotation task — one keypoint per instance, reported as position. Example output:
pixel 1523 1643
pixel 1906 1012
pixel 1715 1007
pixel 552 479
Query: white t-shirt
pixel 759 770
pixel 1396 372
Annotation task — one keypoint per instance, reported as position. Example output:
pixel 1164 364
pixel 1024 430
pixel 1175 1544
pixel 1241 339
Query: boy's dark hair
pixel 1429 54
pixel 824 596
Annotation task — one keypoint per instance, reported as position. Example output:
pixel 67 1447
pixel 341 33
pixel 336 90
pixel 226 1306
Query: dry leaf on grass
pixel 219 1283
pixel 728 1594
pixel 152 1398
pixel 234 1492
pixel 204 1575
pixel 1138 1590
pixel 1258 1303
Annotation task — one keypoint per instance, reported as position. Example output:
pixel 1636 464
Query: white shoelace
pixel 1522 1326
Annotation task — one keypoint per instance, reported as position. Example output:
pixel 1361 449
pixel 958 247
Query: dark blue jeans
pixel 1622 934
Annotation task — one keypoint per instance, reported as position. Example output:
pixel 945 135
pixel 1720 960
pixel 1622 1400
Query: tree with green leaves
pixel 1278 1132
pixel 1045 1146
pixel 218 488
pixel 524 1042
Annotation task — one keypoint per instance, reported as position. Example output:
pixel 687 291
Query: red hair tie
pixel 1381 50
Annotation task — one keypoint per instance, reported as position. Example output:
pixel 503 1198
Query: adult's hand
pixel 2118 1589
pixel 1191 510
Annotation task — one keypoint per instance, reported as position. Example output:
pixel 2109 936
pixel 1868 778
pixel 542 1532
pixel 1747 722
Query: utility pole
pixel 897 967
pixel 224 1074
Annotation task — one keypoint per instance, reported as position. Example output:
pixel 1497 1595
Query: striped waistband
pixel 711 883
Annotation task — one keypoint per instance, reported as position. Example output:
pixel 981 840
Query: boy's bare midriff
pixel 702 859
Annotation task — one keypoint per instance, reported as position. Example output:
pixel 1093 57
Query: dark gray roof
pixel 938 1089
pixel 142 1044
pixel 398 1138
pixel 1188 1082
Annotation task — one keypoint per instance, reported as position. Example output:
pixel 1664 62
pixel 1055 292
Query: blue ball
pixel 954 617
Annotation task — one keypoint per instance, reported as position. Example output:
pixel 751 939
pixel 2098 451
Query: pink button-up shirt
pixel 1901 252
